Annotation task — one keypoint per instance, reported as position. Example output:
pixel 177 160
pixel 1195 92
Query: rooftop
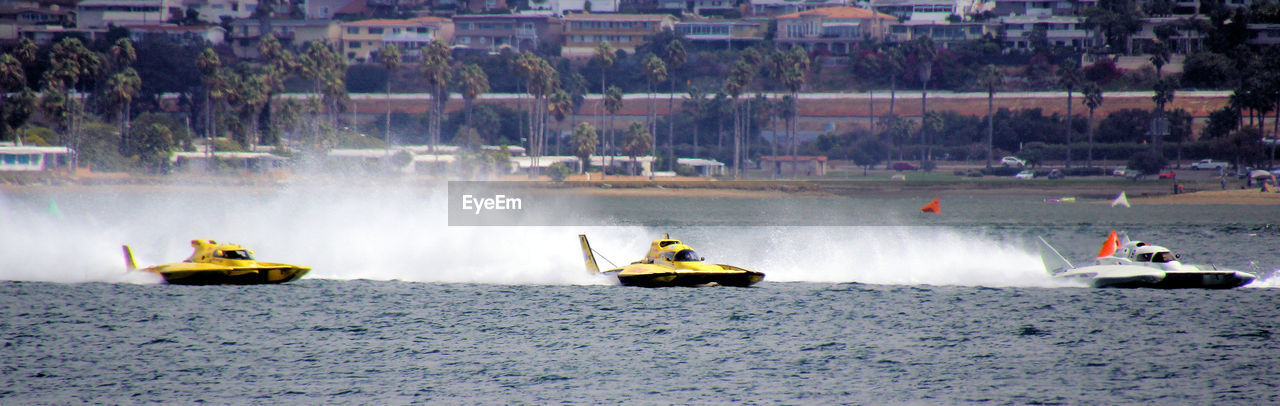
pixel 841 12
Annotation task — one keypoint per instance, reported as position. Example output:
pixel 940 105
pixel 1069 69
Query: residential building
pixel 213 11
pixel 330 9
pixel 362 40
pixel 37 13
pixel 1067 31
pixel 23 158
pixel 780 7
pixel 492 32
pixel 561 7
pixel 943 32
pixel 585 31
pixel 931 10
pixel 1182 40
pixel 292 34
pixel 837 30
pixel 1264 34
pixel 99 14
pixel 727 32
pixel 713 7
pixel 189 35
pixel 1041 8
pixel 43 34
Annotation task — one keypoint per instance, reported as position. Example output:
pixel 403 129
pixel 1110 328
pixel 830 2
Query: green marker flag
pixel 53 208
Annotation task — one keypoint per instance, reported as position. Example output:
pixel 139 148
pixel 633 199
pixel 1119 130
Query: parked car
pixel 1012 161
pixel 1208 164
pixel 1168 175
pixel 1024 175
pixel 1055 174
pixel 904 166
pixel 1121 171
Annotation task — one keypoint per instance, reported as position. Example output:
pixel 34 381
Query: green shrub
pixel 558 171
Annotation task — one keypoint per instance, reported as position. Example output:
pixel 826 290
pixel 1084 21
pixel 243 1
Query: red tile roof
pixel 841 12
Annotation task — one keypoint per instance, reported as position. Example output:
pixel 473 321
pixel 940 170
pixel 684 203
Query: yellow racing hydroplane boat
pixel 220 264
pixel 672 263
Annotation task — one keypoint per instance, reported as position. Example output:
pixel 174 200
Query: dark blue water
pixel 322 341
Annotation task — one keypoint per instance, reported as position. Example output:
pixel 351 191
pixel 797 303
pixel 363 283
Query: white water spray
pixel 402 233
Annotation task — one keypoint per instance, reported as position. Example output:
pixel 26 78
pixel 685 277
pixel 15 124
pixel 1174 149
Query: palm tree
pixel 674 56
pixel 435 71
pixel 737 82
pixel 797 63
pixel 636 142
pixel 1164 93
pixel 1092 100
pixel 69 62
pixel 584 144
pixel 605 57
pixel 990 79
pixel 279 63
pixel 656 71
pixel 612 104
pixel 390 56
pixel 695 105
pixel 925 52
pixel 121 88
pixel 474 83
pixel 560 105
pixel 892 65
pixel 1069 77
pixel 1159 56
pixel 208 63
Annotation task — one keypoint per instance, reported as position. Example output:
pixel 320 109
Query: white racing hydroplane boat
pixel 1122 263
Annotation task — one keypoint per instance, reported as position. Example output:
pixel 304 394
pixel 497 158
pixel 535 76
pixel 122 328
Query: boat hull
pixel 689 279
pixel 250 276
pixel 1178 280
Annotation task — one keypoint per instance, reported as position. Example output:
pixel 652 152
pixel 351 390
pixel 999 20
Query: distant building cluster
pixel 578 26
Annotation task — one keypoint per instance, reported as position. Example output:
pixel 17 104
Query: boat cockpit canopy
pixel 233 254
pixel 687 255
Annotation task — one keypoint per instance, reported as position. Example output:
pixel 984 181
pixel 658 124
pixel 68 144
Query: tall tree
pixel 124 84
pixel 925 53
pixel 584 144
pixel 209 63
pixel 436 72
pixel 560 105
pixel 69 63
pixel 279 63
pixel 1159 57
pixel 1164 92
pixel 636 142
pixel 604 57
pixel 474 83
pixel 793 78
pixel 1069 77
pixel 1092 100
pixel 655 71
pixel 612 104
pixel 390 58
pixel 14 102
pixel 990 79
pixel 695 106
pixel 674 55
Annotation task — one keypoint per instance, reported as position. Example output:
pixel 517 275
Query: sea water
pixel 866 301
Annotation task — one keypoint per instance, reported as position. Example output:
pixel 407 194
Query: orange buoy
pixel 933 207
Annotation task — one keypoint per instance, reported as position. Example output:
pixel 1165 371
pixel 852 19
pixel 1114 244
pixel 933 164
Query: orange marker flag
pixel 933 207
pixel 1109 247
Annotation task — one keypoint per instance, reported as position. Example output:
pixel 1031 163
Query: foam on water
pixel 402 233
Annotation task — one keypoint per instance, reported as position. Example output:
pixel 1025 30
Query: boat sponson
pixel 1184 280
pixel 236 276
pixel 738 278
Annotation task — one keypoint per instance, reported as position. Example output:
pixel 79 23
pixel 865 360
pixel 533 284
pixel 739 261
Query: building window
pixel 353 30
pixel 464 40
pixel 375 30
pixel 395 30
pixel 354 44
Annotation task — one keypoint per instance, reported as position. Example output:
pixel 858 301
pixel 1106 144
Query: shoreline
pixel 1099 190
